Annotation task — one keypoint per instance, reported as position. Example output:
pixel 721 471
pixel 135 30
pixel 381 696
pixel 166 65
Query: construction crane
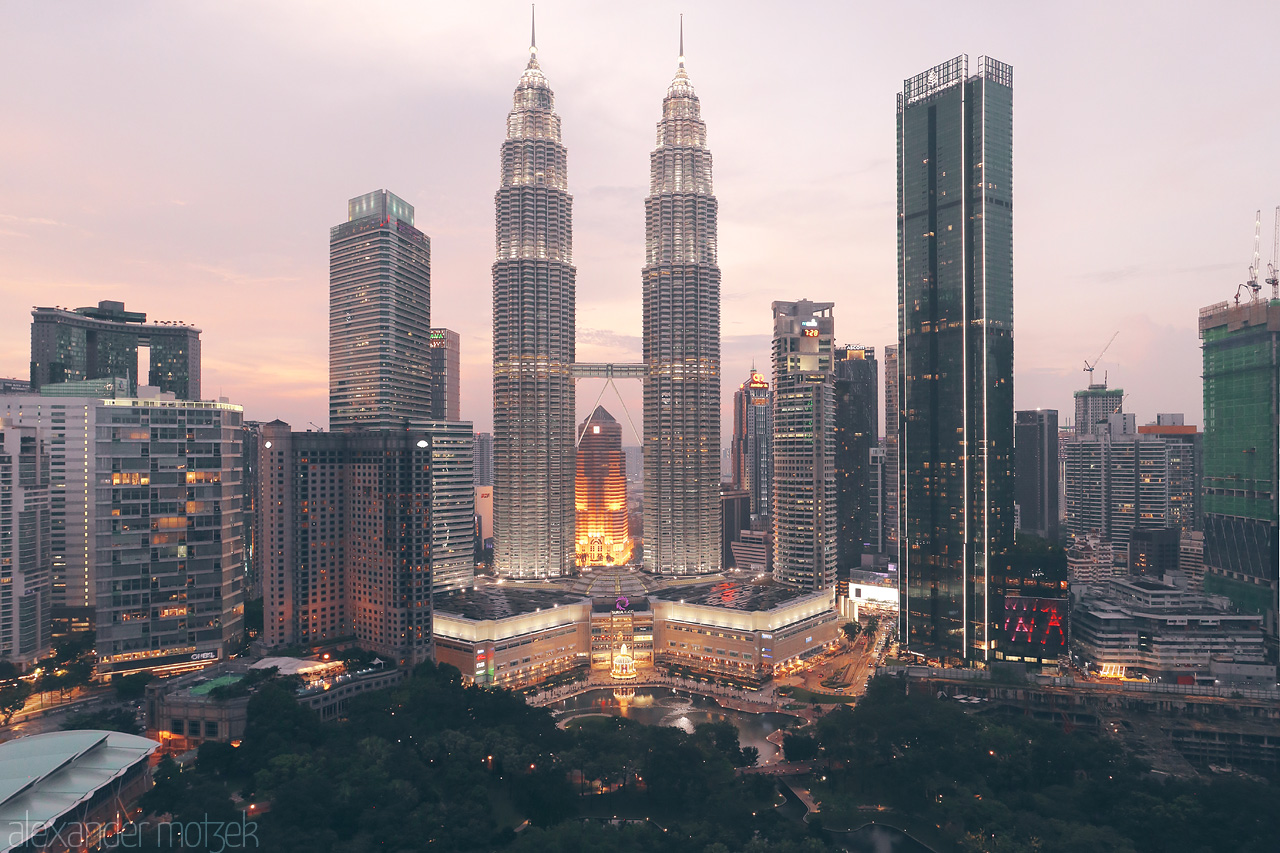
pixel 1088 368
pixel 1272 278
pixel 1255 267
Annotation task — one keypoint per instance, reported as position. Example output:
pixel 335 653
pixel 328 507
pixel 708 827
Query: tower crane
pixel 1272 278
pixel 1088 368
pixel 1255 267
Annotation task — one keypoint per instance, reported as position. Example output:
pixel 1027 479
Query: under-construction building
pixel 1241 374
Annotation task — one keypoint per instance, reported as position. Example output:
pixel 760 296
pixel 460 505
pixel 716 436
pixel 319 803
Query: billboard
pixel 1035 626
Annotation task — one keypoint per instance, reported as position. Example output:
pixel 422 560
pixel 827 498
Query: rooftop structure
pixel 59 779
pixel 103 341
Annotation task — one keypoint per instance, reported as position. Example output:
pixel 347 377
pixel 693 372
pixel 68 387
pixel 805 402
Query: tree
pixel 799 747
pixel 117 720
pixel 130 688
pixel 13 699
pixel 873 623
pixel 851 631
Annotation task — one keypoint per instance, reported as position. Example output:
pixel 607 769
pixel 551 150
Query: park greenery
pixel 432 764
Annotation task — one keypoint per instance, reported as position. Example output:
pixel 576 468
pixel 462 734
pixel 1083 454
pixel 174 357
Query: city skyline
pixel 175 230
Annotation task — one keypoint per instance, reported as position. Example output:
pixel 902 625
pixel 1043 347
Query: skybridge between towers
pixel 610 371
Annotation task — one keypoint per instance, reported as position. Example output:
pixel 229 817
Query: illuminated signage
pixel 810 333
pixel 1037 625
pixel 205 656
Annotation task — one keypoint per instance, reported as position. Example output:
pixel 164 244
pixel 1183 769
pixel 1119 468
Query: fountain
pixel 624 668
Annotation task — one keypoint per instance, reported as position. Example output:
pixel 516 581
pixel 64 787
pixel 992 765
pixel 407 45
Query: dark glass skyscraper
pixel 533 341
pixel 681 300
pixel 446 382
pixel 857 430
pixel 1036 455
pixel 753 441
pixel 379 316
pixel 955 341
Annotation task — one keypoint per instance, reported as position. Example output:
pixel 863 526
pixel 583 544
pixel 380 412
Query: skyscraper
pixel 368 524
pixel 955 341
pixel 753 441
pixel 379 316
pixel 857 432
pixel 1035 435
pixel 102 343
pixel 533 341
pixel 445 380
pixel 601 493
pixel 26 556
pixel 484 459
pixel 681 298
pixel 804 445
pixel 169 550
pixel 1241 455
pixel 892 485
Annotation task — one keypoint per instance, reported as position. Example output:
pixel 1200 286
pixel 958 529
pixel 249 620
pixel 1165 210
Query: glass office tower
pixel 379 316
pixel 955 367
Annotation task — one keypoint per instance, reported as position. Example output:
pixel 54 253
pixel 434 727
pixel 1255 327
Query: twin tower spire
pixel 534 303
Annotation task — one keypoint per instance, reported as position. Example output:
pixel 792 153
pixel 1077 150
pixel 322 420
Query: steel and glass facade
pixel 681 303
pixel 1036 443
pixel 857 428
pixel 804 445
pixel 955 340
pixel 446 354
pixel 752 449
pixel 533 341
pixel 379 316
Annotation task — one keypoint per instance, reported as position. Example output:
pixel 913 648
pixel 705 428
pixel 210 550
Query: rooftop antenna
pixel 533 28
pixel 682 40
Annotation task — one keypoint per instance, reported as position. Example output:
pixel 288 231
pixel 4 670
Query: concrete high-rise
pixel 804 445
pixel 169 543
pixel 1241 348
pixel 533 341
pixel 368 525
pixel 857 432
pixel 955 342
pixel 102 343
pixel 601 493
pixel 379 316
pixel 752 444
pixel 446 355
pixel 26 557
pixel 681 300
pixel 1035 437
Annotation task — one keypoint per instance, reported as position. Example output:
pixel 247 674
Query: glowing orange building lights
pixel 603 537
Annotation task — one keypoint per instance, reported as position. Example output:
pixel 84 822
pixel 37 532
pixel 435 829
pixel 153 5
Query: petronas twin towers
pixel 533 343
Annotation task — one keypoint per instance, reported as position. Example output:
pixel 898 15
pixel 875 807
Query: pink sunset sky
pixel 189 159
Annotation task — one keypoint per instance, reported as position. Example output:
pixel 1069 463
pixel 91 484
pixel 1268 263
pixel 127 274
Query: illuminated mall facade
pixel 731 631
